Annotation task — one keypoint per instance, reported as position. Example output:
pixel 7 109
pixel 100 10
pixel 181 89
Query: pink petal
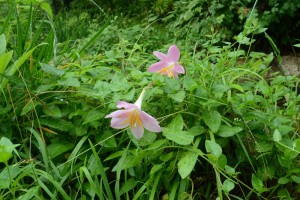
pixel 178 69
pixel 119 123
pixel 137 132
pixel 160 56
pixel 149 122
pixel 157 66
pixel 174 53
pixel 119 114
pixel 123 104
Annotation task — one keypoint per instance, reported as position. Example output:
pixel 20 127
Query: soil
pixel 291 64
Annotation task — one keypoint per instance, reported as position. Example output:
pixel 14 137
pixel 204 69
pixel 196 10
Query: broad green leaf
pixel 51 70
pixel 228 131
pixel 71 82
pixel 155 168
pixel 157 144
pixel 189 83
pixel 176 124
pixel 53 111
pixel 4 60
pixel 119 82
pixel 29 106
pixel 102 88
pixel 277 136
pixel 179 137
pixel 187 163
pixel 297 45
pixel 197 130
pixel 283 180
pixel 229 169
pixel 6 149
pixel 58 148
pixel 262 147
pixel 5 181
pixel 4 154
pixel 59 124
pixel 2 44
pixel 296 179
pixel 93 115
pixel 212 119
pixel 257 184
pixel 106 139
pixel 179 96
pixel 128 185
pixel 131 161
pixel 213 148
pixel 228 185
pixel 46 6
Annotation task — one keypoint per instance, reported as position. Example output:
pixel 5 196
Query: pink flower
pixel 168 64
pixel 134 117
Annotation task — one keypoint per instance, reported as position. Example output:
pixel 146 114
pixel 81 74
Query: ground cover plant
pixel 102 104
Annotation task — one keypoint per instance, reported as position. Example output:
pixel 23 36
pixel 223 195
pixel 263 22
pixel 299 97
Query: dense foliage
pixel 230 124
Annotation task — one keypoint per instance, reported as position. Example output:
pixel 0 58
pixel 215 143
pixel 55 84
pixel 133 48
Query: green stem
pixel 218 179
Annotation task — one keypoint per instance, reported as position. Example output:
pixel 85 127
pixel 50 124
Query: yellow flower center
pixel 134 119
pixel 167 70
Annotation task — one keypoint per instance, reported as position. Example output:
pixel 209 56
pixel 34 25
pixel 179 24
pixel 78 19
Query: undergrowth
pixel 230 124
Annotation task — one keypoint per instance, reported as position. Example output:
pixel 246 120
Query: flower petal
pixel 119 123
pixel 137 132
pixel 123 104
pixel 160 56
pixel 178 69
pixel 149 122
pixel 157 66
pixel 119 114
pixel 174 53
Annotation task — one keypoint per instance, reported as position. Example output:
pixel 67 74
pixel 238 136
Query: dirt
pixel 291 64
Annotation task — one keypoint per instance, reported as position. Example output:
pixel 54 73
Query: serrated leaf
pixel 119 83
pixel 56 149
pixel 228 131
pixel 213 148
pixel 212 119
pixel 179 137
pixel 187 163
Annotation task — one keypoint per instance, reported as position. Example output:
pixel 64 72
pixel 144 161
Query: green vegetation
pixel 230 125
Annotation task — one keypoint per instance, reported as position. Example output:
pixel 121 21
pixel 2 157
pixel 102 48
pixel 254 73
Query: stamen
pixel 167 70
pixel 134 119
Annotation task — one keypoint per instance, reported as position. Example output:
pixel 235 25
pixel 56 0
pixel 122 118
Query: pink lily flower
pixel 168 64
pixel 133 117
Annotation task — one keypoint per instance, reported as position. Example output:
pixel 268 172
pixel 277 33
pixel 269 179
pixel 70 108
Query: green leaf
pixel 277 136
pixel 257 184
pixel 119 82
pixel 53 111
pixel 16 65
pixel 93 115
pixel 13 171
pixel 228 185
pixel 179 96
pixel 4 60
pixel 283 180
pixel 71 82
pixel 51 70
pixel 102 88
pixel 187 163
pixel 179 137
pixel 128 185
pixel 29 194
pixel 28 107
pixel 46 7
pixel 297 45
pixel 6 149
pixel 189 83
pixel 59 124
pixel 2 44
pixel 296 179
pixel 176 124
pixel 213 148
pixel 212 119
pixel 228 131
pixel 56 149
